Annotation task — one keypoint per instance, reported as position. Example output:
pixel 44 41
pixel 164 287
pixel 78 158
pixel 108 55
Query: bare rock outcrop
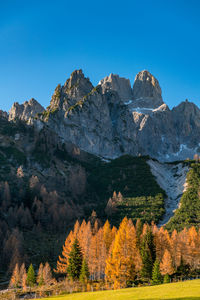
pixel 110 119
pixel 146 91
pixel 119 84
pixel 25 111
pixel 74 89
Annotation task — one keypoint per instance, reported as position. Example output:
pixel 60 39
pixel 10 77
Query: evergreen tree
pixel 156 275
pixel 183 269
pixel 166 278
pixel 31 276
pixel 75 261
pixel 148 254
pixel 85 274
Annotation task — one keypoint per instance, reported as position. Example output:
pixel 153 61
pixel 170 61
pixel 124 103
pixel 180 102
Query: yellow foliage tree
pixel 166 266
pixel 124 260
pixel 62 262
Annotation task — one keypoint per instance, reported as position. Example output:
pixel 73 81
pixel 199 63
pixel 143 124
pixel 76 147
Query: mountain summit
pixel 113 118
pixel 146 90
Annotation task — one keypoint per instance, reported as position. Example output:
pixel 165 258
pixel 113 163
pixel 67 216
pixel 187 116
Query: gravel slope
pixel 172 179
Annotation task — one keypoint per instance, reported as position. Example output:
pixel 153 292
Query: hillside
pixel 46 184
pixel 87 156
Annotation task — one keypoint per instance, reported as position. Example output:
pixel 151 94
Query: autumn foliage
pixel 121 256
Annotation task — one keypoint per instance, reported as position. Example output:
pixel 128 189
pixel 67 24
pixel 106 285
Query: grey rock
pixel 119 84
pixel 3 114
pixel 102 121
pixel 25 111
pixel 146 91
pixel 74 89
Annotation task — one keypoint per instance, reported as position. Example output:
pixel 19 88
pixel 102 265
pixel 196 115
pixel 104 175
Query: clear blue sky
pixel 42 42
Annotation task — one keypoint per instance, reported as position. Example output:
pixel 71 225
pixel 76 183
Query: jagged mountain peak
pixel 3 114
pixel 78 82
pixel 119 84
pixel 187 106
pixel 75 76
pixel 146 90
pixel 113 119
pixel 26 110
pixel 74 89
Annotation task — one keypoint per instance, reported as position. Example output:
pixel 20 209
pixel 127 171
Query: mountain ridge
pixel 113 118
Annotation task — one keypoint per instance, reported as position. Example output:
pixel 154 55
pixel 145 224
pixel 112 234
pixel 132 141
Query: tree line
pixel 131 255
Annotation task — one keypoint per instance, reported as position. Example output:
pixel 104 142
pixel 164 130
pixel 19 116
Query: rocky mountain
pixel 47 183
pixel 25 111
pixel 60 163
pixel 114 118
pixel 146 91
pixel 121 85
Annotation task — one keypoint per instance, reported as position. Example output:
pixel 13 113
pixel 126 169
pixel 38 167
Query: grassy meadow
pixel 181 290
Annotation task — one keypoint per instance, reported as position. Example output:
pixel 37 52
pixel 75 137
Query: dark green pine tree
pixel 85 274
pixel 166 278
pixel 30 276
pixel 183 269
pixel 156 275
pixel 148 255
pixel 75 261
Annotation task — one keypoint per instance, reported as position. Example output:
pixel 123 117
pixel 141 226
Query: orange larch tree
pixel 166 265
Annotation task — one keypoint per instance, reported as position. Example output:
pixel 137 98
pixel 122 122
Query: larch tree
pixel 15 278
pixel 24 282
pixel 40 278
pixel 62 262
pixel 23 275
pixel 47 274
pixel 138 227
pixel 166 265
pixel 121 264
pixel 107 235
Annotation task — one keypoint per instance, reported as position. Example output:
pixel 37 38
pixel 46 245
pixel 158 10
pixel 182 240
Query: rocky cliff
pixel 25 111
pixel 114 118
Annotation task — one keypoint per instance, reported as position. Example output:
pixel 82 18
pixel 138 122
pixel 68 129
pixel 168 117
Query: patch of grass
pixel 143 197
pixel 146 208
pixel 188 290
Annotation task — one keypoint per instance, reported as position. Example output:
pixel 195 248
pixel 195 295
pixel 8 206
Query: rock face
pixel 119 84
pixel 3 114
pixel 74 89
pixel 25 111
pixel 147 91
pixel 112 119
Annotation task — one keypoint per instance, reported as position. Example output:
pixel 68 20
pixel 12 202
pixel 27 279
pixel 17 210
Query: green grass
pixel 180 290
pixel 143 197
